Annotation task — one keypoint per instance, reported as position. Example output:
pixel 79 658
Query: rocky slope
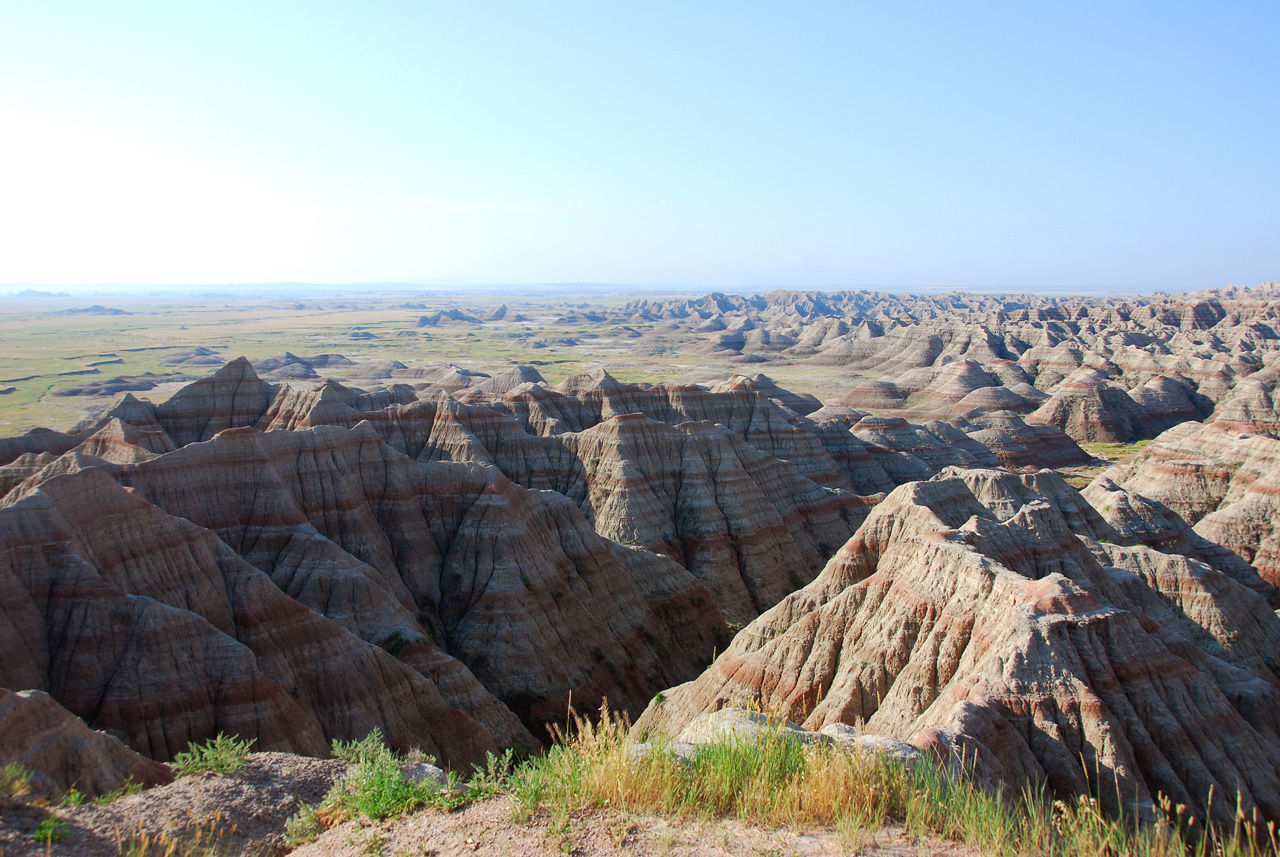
pixel 59 752
pixel 297 586
pixel 993 617
pixel 449 555
pixel 1222 480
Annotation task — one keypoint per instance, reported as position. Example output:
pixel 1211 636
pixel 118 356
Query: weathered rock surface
pixel 300 586
pixel 60 752
pixel 977 613
pixel 1222 481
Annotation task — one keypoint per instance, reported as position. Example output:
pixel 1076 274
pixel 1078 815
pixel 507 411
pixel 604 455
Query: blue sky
pixel 1019 145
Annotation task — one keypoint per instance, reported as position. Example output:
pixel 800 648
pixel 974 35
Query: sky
pixel 1114 146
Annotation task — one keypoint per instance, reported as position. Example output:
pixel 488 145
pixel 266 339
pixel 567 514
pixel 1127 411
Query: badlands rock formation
pixel 1102 369
pixel 447 555
pixel 994 617
pixel 1221 477
pixel 60 753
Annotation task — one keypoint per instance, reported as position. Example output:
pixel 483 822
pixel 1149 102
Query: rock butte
pixel 992 617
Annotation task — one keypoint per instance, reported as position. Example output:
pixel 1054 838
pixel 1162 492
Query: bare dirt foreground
pixel 487 828
pixel 244 815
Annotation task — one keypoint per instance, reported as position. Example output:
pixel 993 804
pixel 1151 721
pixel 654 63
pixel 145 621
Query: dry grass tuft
pixel 777 781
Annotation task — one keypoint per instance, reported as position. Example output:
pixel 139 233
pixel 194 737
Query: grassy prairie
pixel 43 350
pixel 1116 451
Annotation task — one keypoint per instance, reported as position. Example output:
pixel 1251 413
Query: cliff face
pixel 1223 481
pixel 734 485
pixel 298 586
pixel 976 614
pixel 298 565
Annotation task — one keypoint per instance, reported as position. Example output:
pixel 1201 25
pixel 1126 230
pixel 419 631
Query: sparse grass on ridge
pixel 779 782
pixel 204 838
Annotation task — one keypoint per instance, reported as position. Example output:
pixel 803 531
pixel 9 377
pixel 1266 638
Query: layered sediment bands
pixel 743 410
pixel 230 398
pixel 1250 408
pixel 61 752
pixel 36 442
pixel 742 522
pixel 799 403
pixel 514 584
pixel 1108 369
pixel 975 614
pixel 908 452
pixel 1090 410
pixel 746 524
pixel 1138 520
pixel 1017 444
pixel 1225 483
pixel 156 631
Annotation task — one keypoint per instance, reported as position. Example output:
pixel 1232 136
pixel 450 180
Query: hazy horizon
pixel 291 290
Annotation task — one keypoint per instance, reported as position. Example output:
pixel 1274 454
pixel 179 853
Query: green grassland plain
pixel 44 350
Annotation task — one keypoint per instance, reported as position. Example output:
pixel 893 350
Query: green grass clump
pixel 377 789
pixel 222 755
pixel 1116 450
pixel 51 829
pixel 15 781
pixel 302 827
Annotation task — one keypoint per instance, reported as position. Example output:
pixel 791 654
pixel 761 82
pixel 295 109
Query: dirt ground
pixel 487 828
pixel 244 815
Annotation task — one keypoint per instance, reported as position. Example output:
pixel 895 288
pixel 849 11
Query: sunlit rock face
pixel 996 617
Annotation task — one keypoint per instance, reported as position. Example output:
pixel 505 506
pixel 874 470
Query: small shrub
pixel 492 778
pixel 15 781
pixel 50 829
pixel 377 789
pixel 302 827
pixel 367 749
pixel 73 797
pixel 222 755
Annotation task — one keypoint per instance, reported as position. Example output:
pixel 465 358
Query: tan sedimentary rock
pixel 1090 409
pixel 158 632
pixel 967 615
pixel 232 397
pixel 1224 483
pixel 742 522
pixel 1249 408
pixel 61 752
pixel 514 584
pixel 1018 443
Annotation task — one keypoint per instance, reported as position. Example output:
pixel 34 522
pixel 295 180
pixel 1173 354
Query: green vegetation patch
pixel 377 788
pixel 1114 451
pixel 223 755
